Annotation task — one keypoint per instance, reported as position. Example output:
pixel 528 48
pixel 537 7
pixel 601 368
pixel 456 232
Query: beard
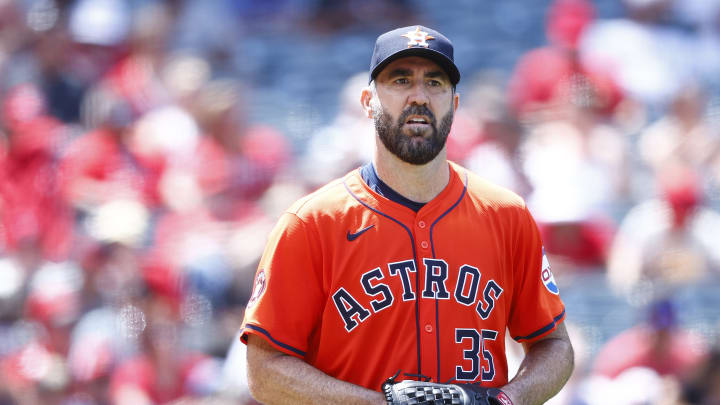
pixel 417 147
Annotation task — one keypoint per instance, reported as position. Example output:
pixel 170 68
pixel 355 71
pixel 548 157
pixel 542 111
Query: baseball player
pixel 398 282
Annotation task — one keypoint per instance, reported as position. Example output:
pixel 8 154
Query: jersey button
pixel 421 224
pixel 424 244
pixel 428 328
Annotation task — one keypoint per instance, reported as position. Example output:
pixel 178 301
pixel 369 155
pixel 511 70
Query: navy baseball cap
pixel 414 41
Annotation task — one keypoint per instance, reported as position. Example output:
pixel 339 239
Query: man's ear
pixel 365 100
pixel 456 101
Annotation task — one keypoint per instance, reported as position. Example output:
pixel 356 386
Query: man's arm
pixel 546 368
pixel 277 378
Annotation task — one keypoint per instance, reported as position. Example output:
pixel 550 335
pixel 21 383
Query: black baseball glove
pixel 427 393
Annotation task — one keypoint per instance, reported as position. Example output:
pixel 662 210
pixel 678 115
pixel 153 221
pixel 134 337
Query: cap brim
pixel 435 56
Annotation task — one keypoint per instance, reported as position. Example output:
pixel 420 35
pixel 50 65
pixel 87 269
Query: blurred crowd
pixel 137 186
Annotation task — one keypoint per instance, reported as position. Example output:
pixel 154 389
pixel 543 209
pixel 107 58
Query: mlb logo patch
pixel 547 276
pixel 258 288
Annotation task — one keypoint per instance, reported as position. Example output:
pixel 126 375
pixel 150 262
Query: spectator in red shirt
pixel 33 216
pixel 660 344
pixel 100 165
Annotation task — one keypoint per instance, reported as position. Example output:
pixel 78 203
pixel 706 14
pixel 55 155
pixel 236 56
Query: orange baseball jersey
pixel 360 286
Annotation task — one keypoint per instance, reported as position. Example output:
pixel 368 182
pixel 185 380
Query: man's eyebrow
pixel 400 72
pixel 436 74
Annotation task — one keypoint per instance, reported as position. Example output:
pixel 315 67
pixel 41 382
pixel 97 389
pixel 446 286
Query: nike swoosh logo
pixel 352 236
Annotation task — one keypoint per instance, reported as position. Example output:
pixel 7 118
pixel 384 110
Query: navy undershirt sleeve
pixel 369 175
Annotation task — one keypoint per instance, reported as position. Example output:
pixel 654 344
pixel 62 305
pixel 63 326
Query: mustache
pixel 416 110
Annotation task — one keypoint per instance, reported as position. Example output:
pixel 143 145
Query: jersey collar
pixel 447 198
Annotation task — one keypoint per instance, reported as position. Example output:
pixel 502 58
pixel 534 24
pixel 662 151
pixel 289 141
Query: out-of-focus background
pixel 147 147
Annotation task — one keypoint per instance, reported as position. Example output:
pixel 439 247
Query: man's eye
pixel 402 80
pixel 434 83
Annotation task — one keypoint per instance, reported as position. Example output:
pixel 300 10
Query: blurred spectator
pixel 577 166
pixel 573 156
pixel 683 136
pixel 106 181
pixel 161 371
pixel 33 365
pixel 36 47
pixel 106 332
pixel 649 58
pixel 344 144
pixel 34 215
pixel 135 76
pixel 660 344
pixel 244 157
pixel 204 241
pixel 546 76
pixel 667 241
pixel 492 149
pixel 214 185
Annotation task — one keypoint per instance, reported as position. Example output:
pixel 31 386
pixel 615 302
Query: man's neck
pixel 419 183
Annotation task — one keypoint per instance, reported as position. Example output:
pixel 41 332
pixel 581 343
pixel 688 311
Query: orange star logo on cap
pixel 418 38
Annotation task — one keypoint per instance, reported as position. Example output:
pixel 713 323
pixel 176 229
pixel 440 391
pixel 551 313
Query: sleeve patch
pixel 547 277
pixel 258 288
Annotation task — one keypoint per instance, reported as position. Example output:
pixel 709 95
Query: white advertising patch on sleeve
pixel 547 276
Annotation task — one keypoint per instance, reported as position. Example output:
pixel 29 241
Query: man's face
pixel 413 108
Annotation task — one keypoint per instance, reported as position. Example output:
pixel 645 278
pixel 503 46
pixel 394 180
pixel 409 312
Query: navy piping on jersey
pixel 543 329
pixel 432 246
pixel 437 336
pixel 369 175
pixel 417 286
pixel 277 342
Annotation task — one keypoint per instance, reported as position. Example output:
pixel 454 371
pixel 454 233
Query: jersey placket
pixel 427 314
pixel 436 292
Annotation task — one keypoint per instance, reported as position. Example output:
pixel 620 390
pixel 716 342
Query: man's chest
pixel 456 266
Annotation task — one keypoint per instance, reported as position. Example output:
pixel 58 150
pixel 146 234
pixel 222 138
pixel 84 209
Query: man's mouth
pixel 417 121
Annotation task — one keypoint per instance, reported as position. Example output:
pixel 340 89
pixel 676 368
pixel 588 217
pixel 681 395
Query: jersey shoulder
pixel 330 199
pixel 485 192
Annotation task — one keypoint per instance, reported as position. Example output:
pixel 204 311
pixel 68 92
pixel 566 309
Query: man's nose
pixel 418 94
